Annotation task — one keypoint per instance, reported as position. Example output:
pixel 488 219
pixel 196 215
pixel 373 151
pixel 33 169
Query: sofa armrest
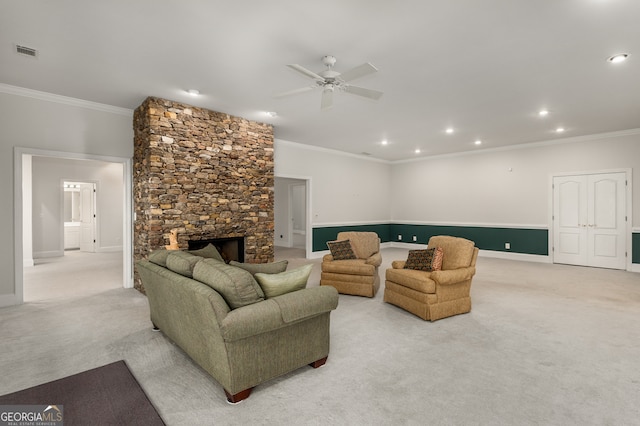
pixel 398 264
pixel 278 312
pixel 375 259
pixel 453 276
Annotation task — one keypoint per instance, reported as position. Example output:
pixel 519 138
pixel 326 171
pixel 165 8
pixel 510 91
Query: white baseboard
pixel 8 300
pixel 408 246
pixel 109 249
pixel 318 254
pixel 45 254
pixel 515 256
pixel 27 262
pixel 635 267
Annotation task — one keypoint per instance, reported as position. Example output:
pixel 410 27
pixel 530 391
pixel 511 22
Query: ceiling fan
pixel 331 81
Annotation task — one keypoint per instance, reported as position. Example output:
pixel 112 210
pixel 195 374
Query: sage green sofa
pixel 240 347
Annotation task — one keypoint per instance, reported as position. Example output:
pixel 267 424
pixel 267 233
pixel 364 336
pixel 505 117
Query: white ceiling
pixel 483 67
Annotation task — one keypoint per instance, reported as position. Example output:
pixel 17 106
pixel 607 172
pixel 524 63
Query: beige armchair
pixel 359 275
pixel 437 294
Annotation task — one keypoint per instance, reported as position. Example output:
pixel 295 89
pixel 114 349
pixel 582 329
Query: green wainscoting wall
pixel 635 248
pixel 526 241
pixel 330 233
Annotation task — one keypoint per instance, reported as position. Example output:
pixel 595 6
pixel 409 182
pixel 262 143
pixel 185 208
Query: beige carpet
pixel 543 345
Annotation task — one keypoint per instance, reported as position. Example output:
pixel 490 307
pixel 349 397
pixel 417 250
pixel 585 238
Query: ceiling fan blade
pixel 361 91
pixel 302 70
pixel 327 99
pixel 294 92
pixel 357 72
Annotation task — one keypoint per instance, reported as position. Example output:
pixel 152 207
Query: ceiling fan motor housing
pixel 329 60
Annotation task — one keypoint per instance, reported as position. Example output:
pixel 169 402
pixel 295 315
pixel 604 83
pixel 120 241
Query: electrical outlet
pixel 399 237
pixel 507 246
pixel 415 238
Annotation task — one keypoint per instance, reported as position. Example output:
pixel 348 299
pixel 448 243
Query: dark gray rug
pixel 108 395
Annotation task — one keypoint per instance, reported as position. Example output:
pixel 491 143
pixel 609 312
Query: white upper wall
pixel 479 188
pixel 344 188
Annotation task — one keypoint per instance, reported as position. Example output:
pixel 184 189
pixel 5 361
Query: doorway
pixel 115 182
pixel 590 219
pixel 80 216
pixel 292 207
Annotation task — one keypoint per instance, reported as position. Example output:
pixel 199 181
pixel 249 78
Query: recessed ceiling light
pixel 417 151
pixel 620 57
pixel 560 130
pixel 385 142
pixel 193 92
pixel 449 130
pixel 478 142
pixel 543 112
pixel 271 113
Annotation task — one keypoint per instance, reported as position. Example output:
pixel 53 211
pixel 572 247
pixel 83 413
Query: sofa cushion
pixel 182 262
pixel 284 282
pixel 209 252
pixel 236 286
pixel 341 250
pixel 425 260
pixel 159 257
pixel 264 268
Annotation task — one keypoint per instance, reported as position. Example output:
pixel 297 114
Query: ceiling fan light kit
pixel 331 81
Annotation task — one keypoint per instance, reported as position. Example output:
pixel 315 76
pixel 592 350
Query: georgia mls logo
pixel 31 415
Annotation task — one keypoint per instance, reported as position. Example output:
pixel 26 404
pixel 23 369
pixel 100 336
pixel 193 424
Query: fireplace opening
pixel 231 248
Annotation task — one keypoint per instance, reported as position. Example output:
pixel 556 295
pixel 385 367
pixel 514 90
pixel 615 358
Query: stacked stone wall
pixel 203 173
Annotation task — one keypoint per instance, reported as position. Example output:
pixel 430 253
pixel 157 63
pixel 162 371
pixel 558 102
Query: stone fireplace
pixel 205 174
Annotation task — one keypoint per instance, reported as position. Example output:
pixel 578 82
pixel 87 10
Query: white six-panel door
pixel 589 220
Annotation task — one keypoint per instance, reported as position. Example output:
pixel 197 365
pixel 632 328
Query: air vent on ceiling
pixel 24 50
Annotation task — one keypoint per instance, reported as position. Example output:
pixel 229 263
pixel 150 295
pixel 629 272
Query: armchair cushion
pixel 458 252
pixel 341 250
pixel 364 244
pixel 284 282
pixel 425 260
pixel 453 276
pixel 235 285
pixel 420 281
pixel 350 267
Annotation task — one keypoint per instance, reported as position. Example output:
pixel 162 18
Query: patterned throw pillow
pixel 425 260
pixel 341 250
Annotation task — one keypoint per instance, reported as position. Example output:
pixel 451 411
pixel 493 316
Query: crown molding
pixel 66 100
pixel 471 224
pixel 575 139
pixel 330 151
